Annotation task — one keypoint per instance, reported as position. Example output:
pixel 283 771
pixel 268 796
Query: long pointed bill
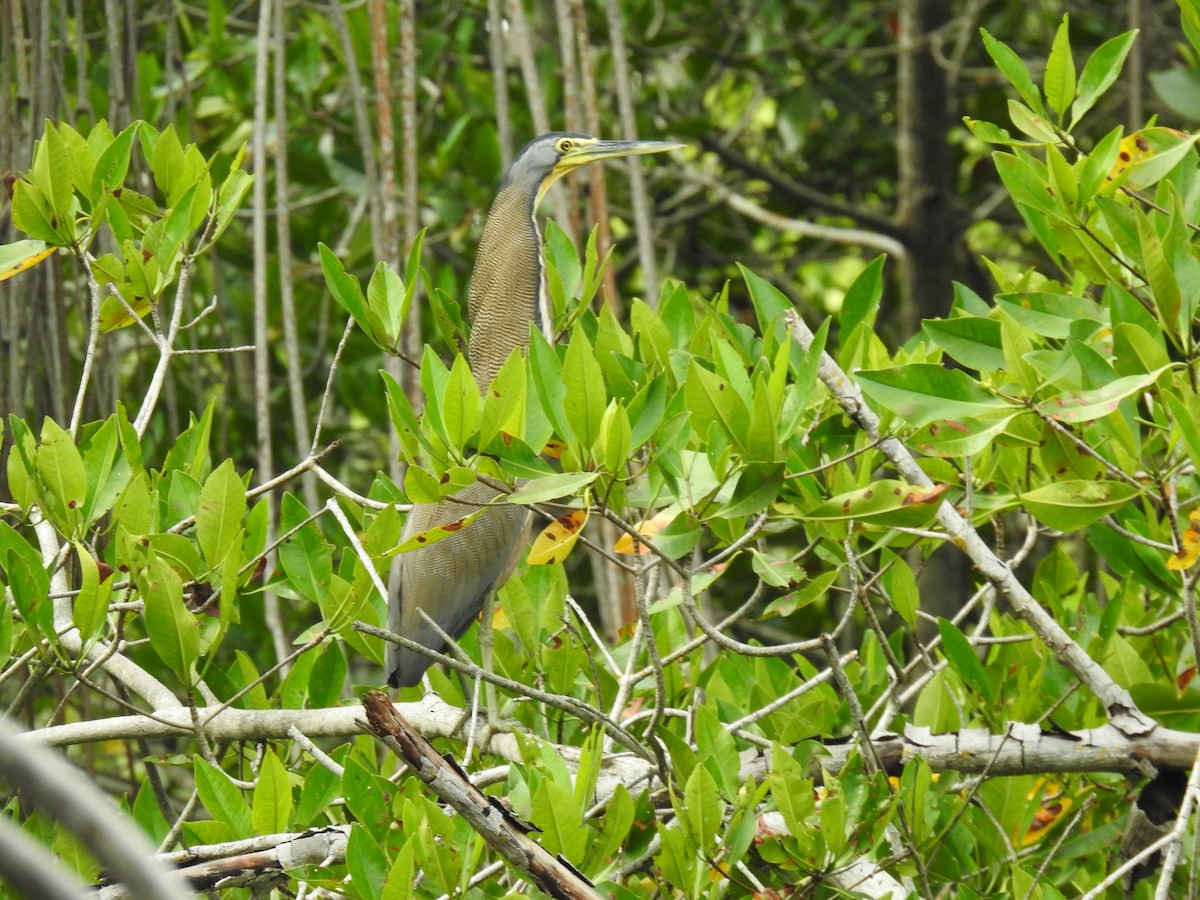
pixel 585 153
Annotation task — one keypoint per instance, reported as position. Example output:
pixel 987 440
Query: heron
pixel 450 581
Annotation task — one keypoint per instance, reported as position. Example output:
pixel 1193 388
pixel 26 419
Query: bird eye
pixel 564 145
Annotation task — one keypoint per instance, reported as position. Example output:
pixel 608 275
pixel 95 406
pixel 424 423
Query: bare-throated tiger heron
pixel 449 580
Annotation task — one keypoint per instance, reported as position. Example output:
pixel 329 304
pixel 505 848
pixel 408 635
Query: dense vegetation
pixel 865 465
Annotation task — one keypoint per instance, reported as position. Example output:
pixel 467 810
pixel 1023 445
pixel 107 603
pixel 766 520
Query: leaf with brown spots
pixel 888 503
pixel 433 535
pixel 1086 406
pixel 557 538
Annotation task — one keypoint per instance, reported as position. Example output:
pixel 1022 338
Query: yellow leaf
pixel 26 259
pixel 626 544
pixel 1134 148
pixel 1054 805
pixel 554 448
pixel 557 538
pixel 1187 555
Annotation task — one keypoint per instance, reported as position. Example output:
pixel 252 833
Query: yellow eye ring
pixel 564 145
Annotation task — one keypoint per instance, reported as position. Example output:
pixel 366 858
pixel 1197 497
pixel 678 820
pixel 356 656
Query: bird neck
pixel 508 285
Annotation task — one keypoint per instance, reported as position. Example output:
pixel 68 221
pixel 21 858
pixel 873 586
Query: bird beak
pixel 586 153
pixel 583 153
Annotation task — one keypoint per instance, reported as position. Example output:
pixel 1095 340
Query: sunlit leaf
pixel 558 538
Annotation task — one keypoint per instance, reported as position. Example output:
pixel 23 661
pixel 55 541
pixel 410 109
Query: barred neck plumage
pixel 508 285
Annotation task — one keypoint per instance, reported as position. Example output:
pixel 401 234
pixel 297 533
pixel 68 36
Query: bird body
pixel 449 581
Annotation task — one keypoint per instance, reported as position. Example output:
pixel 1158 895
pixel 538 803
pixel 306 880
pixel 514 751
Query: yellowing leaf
pixel 554 448
pixel 1187 555
pixel 1134 148
pixel 557 538
pixel 1054 805
pixel 433 535
pixel 626 544
pixel 21 255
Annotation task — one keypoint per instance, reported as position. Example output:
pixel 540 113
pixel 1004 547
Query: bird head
pixel 547 158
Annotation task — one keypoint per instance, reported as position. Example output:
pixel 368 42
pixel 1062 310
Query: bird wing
pixel 450 579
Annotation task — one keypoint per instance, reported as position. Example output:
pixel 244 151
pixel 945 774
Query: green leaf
pixel 106 473
pixel 412 274
pixel 557 815
pixel 963 659
pixel 1050 315
pixel 176 227
pixel 1014 70
pixel 1031 123
pixel 1099 73
pixel 1160 274
pixel 1059 81
pixel 401 881
pixel 1167 148
pixel 169 166
pixel 1027 181
pixel 349 296
pixel 792 791
pixel 305 556
pixel 711 400
pixel 703 808
pixel 971 340
pixel 614 827
pixel 366 862
pixel 677 860
pixel 720 751
pixel 1084 406
pixel 1179 89
pixel 1185 421
pixel 1100 162
pixel 420 486
pixel 328 677
pixel 385 298
pixel 1071 505
pixel 862 298
pixel 219 515
pixel 90 608
pixel 650 335
pixel 585 397
pixel 901 584
pixel 339 604
pixel 460 404
pixel 221 799
pixel 173 631
pixel 62 471
pixel 921 393
pixel 113 164
pixel 769 302
pixel 230 196
pixel 368 795
pixel 272 804
pixel 552 487
pixel 936 707
pixel 32 214
pixel 548 380
pixel 52 174
pixel 954 438
pixel 886 501
pixel 178 551
pixel 615 434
